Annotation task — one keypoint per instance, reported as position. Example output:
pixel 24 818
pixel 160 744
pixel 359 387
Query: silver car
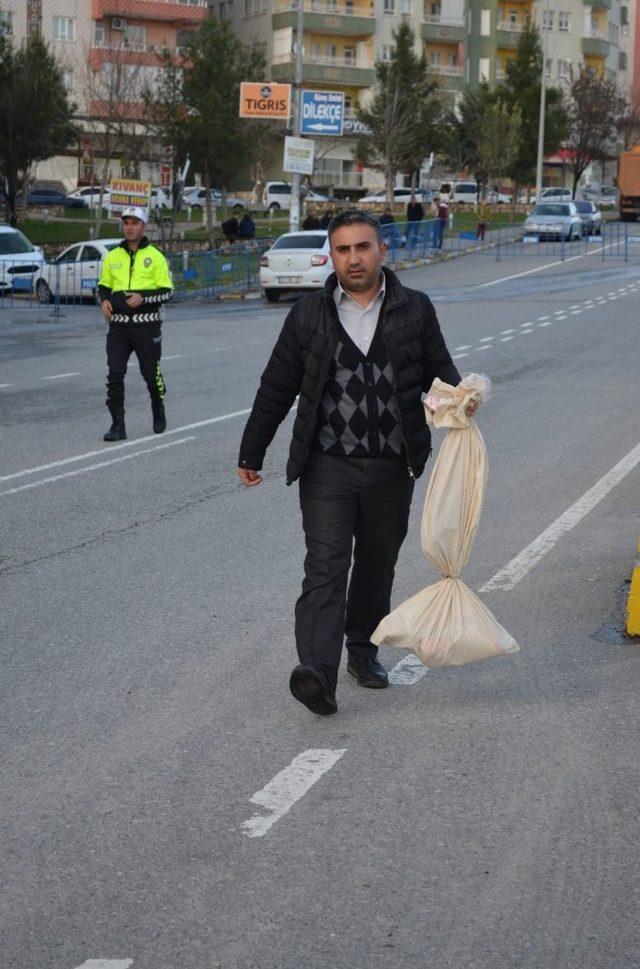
pixel 591 217
pixel 554 220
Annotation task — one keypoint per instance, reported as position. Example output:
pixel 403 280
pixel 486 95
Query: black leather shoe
pixel 306 686
pixel 368 672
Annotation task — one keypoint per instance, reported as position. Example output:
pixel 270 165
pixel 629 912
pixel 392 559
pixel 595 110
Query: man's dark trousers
pixel 143 339
pixel 342 499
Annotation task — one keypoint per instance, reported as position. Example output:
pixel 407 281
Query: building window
pixel 98 33
pixel 434 58
pixel 484 67
pixel 67 80
pixel 513 19
pixel 247 8
pixel 315 51
pixel 64 28
pixel 622 64
pixel 331 52
pixel 405 6
pixel 547 19
pixel 389 6
pixel 135 37
pixel 485 23
pixel 386 53
pixel 564 21
pixel 349 55
pixel 564 68
pixel 549 67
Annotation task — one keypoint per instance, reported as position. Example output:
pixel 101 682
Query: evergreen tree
pixel 521 90
pixel 35 112
pixel 403 112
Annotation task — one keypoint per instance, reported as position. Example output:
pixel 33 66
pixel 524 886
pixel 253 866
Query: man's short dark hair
pixel 355 217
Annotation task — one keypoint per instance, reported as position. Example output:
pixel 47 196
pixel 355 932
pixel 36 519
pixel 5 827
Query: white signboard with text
pixel 298 155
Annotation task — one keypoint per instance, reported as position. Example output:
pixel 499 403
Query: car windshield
pixel 551 210
pixel 300 242
pixel 584 206
pixel 14 242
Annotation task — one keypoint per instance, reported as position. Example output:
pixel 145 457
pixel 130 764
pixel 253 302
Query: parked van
pixel 277 195
pixel 465 193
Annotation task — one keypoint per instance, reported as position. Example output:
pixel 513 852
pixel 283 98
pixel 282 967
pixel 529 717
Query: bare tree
pixel 115 112
pixel 629 123
pixel 499 140
pixel 594 107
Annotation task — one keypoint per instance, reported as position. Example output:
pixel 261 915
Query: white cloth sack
pixel 446 624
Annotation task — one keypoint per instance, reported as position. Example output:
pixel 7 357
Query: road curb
pixel 633 602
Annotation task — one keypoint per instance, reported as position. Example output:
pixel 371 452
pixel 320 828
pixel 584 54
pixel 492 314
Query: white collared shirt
pixel 359 321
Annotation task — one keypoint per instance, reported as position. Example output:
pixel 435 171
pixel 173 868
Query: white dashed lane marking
pixel 93 467
pixel 61 376
pixel 106 964
pixel 287 787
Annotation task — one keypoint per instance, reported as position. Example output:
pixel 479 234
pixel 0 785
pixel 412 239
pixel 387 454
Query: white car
pixel 553 220
pixel 498 198
pixel 296 261
pixel 399 195
pixel 75 272
pixel 19 260
pixel 195 198
pixel 90 195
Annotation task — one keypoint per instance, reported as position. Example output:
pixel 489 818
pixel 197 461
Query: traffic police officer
pixel 134 284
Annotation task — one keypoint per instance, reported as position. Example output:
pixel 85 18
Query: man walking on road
pixel 134 284
pixel 359 353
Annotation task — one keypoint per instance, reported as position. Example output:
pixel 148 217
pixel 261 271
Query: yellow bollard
pixel 633 604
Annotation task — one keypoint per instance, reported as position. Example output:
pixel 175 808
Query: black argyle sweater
pixel 358 414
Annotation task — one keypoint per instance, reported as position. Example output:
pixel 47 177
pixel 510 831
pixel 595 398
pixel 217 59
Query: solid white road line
pixel 60 376
pixel 408 671
pixel 106 964
pixel 547 265
pixel 518 567
pixel 115 447
pixel 93 467
pixel 287 787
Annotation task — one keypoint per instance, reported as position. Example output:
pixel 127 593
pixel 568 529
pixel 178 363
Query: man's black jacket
pixel 301 360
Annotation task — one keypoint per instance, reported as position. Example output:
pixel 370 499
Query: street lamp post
pixel 543 90
pixel 294 210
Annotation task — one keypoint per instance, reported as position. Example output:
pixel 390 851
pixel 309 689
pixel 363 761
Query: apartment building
pixel 464 42
pixel 110 50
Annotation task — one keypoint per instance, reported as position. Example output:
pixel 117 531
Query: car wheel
pixel 273 295
pixel 274 207
pixel 43 293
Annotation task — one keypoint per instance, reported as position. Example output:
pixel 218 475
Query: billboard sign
pixel 128 191
pixel 265 100
pixel 322 113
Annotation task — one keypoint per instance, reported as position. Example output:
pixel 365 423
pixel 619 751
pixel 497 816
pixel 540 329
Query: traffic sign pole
pixel 294 211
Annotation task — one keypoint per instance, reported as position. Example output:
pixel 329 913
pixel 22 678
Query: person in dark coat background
pixel 311 221
pixel 247 227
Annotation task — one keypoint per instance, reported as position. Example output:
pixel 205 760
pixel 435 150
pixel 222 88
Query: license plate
pixel 289 279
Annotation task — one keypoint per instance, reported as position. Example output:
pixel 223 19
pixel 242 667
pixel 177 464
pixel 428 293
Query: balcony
pixel 449 76
pixel 167 11
pixel 328 18
pixel 598 4
pixel 508 34
pixel 443 29
pixel 138 54
pixel 325 70
pixel 595 45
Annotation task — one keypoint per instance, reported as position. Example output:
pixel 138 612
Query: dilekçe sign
pixel 265 100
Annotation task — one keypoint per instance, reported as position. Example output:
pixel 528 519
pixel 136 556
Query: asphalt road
pixel 484 817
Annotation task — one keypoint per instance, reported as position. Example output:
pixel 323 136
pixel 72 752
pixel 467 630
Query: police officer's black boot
pixel 159 417
pixel 117 431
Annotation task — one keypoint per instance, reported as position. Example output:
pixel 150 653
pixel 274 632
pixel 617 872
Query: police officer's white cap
pixel 134 212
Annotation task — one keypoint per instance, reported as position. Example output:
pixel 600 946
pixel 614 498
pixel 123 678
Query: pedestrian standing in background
pixel 483 211
pixel 327 217
pixel 311 221
pixel 134 285
pixel 359 354
pixel 442 215
pixel 387 223
pixel 247 227
pixel 415 215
